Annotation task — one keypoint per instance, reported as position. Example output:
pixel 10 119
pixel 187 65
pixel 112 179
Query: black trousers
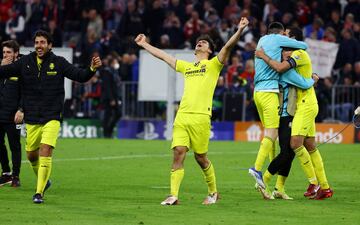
pixel 282 162
pixel 111 116
pixel 13 135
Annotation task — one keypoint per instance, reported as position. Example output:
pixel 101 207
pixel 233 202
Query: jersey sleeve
pixel 180 66
pixel 295 79
pixel 298 58
pixel 216 63
pixel 290 43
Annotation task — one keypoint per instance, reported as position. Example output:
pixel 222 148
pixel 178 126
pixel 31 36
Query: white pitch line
pixel 137 156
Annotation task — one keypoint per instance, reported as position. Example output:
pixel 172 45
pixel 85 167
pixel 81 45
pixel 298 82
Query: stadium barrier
pixel 344 100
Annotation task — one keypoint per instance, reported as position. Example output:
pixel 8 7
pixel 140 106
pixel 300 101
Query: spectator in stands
pixel 314 30
pixel 95 23
pixel 349 49
pixel 110 96
pixel 329 35
pixel 132 22
pixel 349 21
pixel 217 107
pixel 36 18
pixel 353 7
pixel 323 93
pixel 249 72
pixel 15 26
pixel 224 30
pixel 231 9
pixel 178 8
pixel 356 76
pixel 51 12
pixel 193 25
pixel 232 70
pixel 113 11
pixel 335 21
pixel 302 13
pixel 53 29
pixel 172 27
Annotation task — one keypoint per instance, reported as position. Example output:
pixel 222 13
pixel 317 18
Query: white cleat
pixel 281 195
pixel 171 200
pixel 211 199
pixel 266 193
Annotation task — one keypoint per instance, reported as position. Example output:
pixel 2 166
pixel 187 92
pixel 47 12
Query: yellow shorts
pixel 267 104
pixel 304 120
pixel 37 134
pixel 193 131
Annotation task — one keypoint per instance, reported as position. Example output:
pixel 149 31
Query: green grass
pixel 124 181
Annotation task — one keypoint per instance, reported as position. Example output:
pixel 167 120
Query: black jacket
pixel 9 99
pixel 110 85
pixel 42 90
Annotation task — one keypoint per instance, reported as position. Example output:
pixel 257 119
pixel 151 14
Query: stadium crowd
pixel 107 28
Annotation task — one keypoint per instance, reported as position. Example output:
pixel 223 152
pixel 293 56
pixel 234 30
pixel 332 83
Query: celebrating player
pixel 42 76
pixel 192 122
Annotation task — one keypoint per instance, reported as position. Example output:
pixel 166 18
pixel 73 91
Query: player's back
pixel 265 77
pixel 304 68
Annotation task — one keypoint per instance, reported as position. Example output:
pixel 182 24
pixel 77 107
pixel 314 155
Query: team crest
pixel 51 66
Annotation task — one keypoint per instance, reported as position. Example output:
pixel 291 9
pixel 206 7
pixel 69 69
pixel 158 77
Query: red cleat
pixel 324 193
pixel 312 191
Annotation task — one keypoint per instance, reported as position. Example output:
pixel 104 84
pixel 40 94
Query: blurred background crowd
pixel 108 27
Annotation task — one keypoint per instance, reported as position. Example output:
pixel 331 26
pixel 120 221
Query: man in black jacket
pixel 10 114
pixel 110 96
pixel 41 75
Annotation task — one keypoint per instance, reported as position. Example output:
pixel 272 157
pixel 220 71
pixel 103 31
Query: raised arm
pixel 158 53
pixel 279 67
pixel 225 51
pixel 284 41
pixel 81 75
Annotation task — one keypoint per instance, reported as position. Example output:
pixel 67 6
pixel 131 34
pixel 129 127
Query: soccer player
pixel 10 114
pixel 266 91
pixel 42 76
pixel 303 125
pixel 281 164
pixel 192 122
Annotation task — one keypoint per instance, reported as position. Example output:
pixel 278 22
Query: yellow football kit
pixel 192 122
pixel 306 107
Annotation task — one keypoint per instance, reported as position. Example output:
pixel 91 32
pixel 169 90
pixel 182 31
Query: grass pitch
pixel 98 181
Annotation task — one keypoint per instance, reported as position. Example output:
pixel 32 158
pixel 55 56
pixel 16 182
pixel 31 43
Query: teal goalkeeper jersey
pixel 267 79
pixel 291 77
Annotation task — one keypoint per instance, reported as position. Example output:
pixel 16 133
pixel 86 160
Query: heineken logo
pixel 79 130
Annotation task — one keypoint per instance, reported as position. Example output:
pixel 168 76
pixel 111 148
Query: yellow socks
pixel 209 175
pixel 265 147
pixel 35 166
pixel 176 177
pixel 305 161
pixel 267 177
pixel 280 183
pixel 319 168
pixel 43 173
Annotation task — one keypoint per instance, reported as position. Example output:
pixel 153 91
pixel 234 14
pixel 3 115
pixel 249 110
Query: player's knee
pixel 272 133
pixel 310 146
pixel 202 160
pixel 295 143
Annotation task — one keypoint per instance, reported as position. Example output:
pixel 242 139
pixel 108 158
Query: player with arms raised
pixel 192 122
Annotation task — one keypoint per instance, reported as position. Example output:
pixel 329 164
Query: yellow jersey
pixel 200 82
pixel 301 62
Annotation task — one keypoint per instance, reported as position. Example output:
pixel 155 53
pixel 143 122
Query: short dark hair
pixel 207 38
pixel 11 44
pixel 46 35
pixel 296 33
pixel 275 28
